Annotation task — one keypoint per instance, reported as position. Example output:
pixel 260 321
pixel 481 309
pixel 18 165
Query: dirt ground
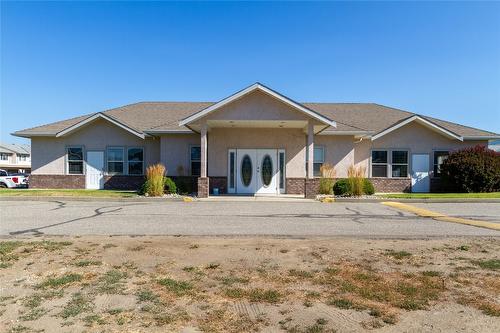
pixel 191 284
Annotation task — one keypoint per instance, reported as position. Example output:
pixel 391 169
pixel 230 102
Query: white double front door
pixel 257 171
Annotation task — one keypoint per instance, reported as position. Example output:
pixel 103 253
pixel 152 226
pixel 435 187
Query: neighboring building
pixel 15 158
pixel 256 141
pixel 494 145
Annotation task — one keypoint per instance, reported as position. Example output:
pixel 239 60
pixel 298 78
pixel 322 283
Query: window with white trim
pixel 135 161
pixel 74 157
pixel 318 160
pixel 195 160
pixel 281 165
pixel 115 160
pixel 4 157
pixel 439 158
pixel 399 164
pixel 22 157
pixel 379 163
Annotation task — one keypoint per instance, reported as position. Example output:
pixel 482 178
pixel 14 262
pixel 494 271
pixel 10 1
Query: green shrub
pixel 169 185
pixel 184 185
pixel 368 187
pixel 475 169
pixel 342 187
pixel 325 186
pixel 145 188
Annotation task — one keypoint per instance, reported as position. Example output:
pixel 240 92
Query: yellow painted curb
pixel 441 217
pixel 187 199
pixel 328 200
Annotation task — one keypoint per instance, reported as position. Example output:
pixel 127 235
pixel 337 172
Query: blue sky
pixel 60 59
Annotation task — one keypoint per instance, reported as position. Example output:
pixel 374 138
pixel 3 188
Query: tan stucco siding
pixel 175 152
pixel 413 137
pixel 222 139
pixel 254 107
pixel 49 153
pixel 339 151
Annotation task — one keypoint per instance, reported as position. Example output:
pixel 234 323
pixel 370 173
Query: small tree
pixel 475 169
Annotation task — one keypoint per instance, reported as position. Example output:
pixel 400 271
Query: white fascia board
pixel 482 137
pixel 421 120
pixel 94 117
pixel 29 135
pixel 248 90
pixel 345 133
pixel 168 132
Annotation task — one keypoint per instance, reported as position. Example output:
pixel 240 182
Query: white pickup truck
pixel 12 181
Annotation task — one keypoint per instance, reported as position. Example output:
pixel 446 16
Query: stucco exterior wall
pixel 339 151
pixel 49 153
pixel 175 152
pixel 413 137
pixel 256 106
pixel 222 139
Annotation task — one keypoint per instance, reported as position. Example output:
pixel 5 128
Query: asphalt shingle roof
pixel 164 116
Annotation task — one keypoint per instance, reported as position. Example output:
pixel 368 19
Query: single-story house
pixel 256 141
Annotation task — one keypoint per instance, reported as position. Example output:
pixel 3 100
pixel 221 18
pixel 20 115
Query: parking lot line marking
pixel 441 217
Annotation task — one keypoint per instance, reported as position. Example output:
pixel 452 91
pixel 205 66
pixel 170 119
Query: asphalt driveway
pixel 293 219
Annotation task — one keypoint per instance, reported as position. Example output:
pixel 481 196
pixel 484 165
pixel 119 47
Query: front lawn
pixel 491 195
pixel 67 193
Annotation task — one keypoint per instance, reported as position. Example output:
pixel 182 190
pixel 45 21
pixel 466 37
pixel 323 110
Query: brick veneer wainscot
pixel 295 185
pixel 72 182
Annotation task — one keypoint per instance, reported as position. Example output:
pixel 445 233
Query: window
pixel 399 163
pixel 319 159
pixel 135 161
pixel 75 160
pixel 439 157
pixel 3 173
pixel 379 163
pixel 22 158
pixel 115 160
pixel 232 157
pixel 281 165
pixel 4 157
pixel 195 157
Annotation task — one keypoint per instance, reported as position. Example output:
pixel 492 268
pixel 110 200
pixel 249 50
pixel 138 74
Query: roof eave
pixel 422 120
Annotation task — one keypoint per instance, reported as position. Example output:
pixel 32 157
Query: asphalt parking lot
pixel 286 219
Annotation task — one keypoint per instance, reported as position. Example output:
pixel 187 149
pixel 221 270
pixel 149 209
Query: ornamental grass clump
pixel 326 182
pixel 154 179
pixel 356 179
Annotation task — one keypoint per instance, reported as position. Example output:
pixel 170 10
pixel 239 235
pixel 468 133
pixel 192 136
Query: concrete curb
pixel 418 200
pixel 88 199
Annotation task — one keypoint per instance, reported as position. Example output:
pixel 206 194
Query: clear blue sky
pixel 60 60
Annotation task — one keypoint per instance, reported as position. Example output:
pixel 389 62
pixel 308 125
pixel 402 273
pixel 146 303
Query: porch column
pixel 203 181
pixel 203 148
pixel 310 150
pixel 311 184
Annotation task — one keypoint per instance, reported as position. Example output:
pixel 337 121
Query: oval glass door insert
pixel 246 170
pixel 267 170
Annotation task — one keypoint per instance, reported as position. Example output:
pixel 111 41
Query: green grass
pixel 492 195
pixel 398 254
pixel 67 193
pixel 111 282
pixel 85 263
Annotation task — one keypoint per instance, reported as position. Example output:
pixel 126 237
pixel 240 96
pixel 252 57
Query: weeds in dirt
pixel 146 295
pixel 398 254
pixel 179 288
pixel 300 274
pixel 33 314
pixel 78 304
pixel 230 280
pixel 111 282
pixel 492 264
pixel 85 263
pixel 61 281
pixel 93 318
pixel 255 295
